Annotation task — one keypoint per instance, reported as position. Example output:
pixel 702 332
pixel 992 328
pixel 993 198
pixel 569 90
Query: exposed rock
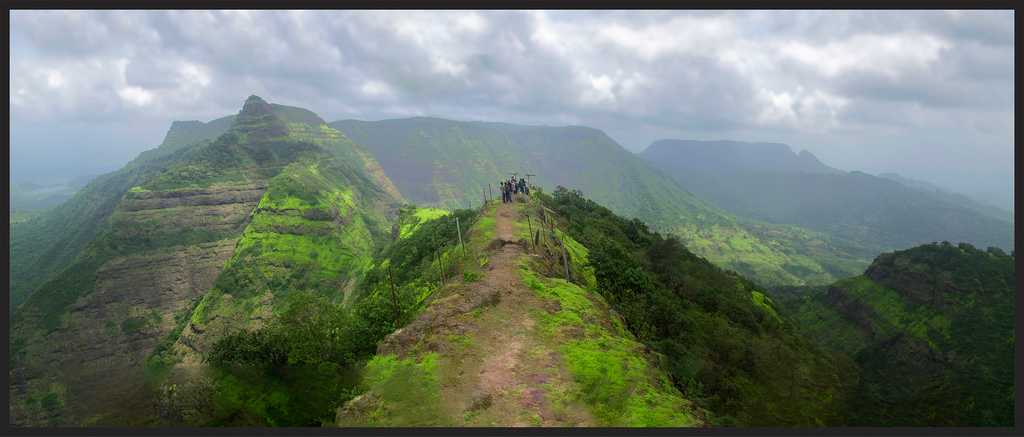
pixel 222 195
pixel 440 312
pixel 99 354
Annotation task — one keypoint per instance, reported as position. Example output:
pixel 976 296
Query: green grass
pixel 765 303
pixel 613 376
pixel 408 389
pixel 418 216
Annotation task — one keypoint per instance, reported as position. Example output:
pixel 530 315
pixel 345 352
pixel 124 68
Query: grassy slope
pixel 723 340
pixel 608 371
pixel 967 335
pixel 448 163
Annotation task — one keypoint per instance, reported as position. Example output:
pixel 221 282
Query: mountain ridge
pixel 182 220
pixel 441 162
pixel 880 213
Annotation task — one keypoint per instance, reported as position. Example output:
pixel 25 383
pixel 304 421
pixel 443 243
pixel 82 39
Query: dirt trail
pixel 515 369
pixel 496 368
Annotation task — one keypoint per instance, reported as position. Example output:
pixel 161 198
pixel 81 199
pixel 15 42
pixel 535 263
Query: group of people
pixel 512 186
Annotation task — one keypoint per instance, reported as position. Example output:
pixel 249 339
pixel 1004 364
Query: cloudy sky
pixel 925 94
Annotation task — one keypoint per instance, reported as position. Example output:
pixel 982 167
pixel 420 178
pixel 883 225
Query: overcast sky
pixel 925 94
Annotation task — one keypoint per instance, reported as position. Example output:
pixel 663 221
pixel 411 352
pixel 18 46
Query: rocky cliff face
pixel 93 364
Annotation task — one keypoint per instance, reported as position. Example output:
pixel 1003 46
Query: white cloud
pixel 54 79
pixel 134 95
pixel 804 76
pixel 193 75
pixel 377 89
pixel 471 22
pixel 891 55
pixel 597 89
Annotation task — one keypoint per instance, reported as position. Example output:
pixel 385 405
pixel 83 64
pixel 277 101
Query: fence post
pixel 530 224
pixel 394 295
pixel 458 228
pixel 565 260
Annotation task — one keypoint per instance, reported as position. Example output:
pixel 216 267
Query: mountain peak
pixel 258 117
pixel 255 106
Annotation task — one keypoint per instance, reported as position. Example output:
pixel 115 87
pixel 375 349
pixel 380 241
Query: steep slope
pixel 948 196
pixel 722 338
pixel 50 241
pixel 508 346
pixel 931 330
pixel 450 163
pixel 90 344
pixel 766 182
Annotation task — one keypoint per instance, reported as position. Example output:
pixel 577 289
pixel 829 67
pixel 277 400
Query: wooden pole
pixel 437 260
pixel 530 224
pixel 490 191
pixel 394 295
pixel 565 260
pixel 458 228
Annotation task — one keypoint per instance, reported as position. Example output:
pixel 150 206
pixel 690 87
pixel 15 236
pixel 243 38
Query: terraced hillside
pixel 265 203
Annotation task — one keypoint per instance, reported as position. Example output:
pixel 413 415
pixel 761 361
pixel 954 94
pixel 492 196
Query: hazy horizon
pixel 927 95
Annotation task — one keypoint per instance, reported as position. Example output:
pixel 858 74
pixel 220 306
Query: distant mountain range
pixel 769 182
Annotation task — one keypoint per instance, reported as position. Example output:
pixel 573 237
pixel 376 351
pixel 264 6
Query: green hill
pixel 219 228
pixel 450 163
pixel 931 330
pixel 769 182
pixel 723 341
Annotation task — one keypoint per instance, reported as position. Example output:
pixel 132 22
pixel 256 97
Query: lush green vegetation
pixel 298 369
pixel 315 231
pixel 724 346
pixel 608 364
pixel 931 330
pixel 411 217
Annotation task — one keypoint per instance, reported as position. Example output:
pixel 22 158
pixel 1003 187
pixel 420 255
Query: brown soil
pixel 496 369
